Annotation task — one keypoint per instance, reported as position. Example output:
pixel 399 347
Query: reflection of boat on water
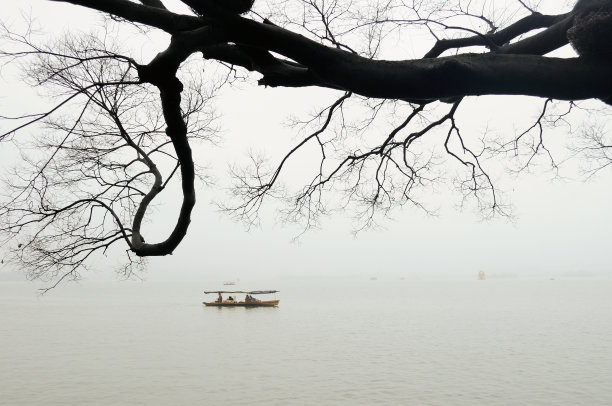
pixel 249 300
pixel 481 276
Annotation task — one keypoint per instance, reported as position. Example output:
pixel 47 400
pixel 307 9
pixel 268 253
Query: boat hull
pixel 263 303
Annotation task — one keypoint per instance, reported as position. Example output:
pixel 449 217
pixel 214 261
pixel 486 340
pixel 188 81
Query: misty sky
pixel 559 228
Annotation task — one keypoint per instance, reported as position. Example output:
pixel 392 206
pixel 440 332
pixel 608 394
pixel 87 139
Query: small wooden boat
pixel 249 300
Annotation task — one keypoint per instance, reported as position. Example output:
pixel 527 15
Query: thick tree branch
pixel 275 71
pixel 544 42
pixel 428 79
pixel 154 3
pixel 153 16
pixel 431 79
pixel 497 39
pixel 161 72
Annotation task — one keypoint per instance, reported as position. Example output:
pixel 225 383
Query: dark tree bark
pixel 516 68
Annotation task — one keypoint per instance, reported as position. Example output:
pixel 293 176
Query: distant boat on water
pixel 249 300
pixel 482 276
pixel 229 283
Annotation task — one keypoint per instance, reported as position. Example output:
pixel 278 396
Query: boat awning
pixel 252 292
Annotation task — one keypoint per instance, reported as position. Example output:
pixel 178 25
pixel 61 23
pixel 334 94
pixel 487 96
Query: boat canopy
pixel 253 292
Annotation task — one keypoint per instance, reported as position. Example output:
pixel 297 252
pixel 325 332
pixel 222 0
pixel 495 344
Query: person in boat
pixel 220 298
pixel 231 299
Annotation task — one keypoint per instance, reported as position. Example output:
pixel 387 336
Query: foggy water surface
pixel 495 342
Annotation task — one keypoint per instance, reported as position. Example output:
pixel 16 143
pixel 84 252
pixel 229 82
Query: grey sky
pixel 560 228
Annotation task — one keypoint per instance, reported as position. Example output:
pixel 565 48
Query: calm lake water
pixel 494 342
